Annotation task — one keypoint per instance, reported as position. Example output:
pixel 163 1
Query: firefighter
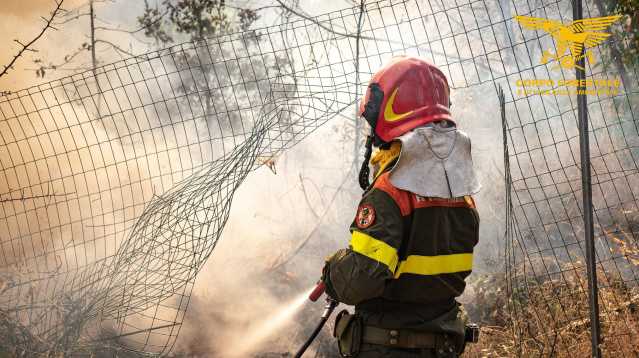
pixel 413 236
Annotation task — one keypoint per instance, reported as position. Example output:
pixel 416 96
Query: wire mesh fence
pixel 117 183
pixel 545 229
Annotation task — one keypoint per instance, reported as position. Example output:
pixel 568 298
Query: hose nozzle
pixel 317 292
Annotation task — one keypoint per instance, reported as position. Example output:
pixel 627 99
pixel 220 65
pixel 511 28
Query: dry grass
pixel 531 319
pixel 551 319
pixel 547 319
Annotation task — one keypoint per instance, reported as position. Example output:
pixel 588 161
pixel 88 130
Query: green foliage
pixel 195 19
pixel 151 21
pixel 628 32
pixel 199 18
pixel 210 82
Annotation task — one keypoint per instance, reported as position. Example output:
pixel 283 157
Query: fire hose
pixel 328 310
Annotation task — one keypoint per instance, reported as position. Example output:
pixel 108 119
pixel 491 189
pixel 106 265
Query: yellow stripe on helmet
pixel 435 265
pixel 375 249
pixel 389 113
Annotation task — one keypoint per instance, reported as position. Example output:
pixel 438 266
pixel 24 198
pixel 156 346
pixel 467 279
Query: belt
pixel 402 338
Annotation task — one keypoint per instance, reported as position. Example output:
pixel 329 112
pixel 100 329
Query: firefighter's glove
pixel 351 278
pixel 326 276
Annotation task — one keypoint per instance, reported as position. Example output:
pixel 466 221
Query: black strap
pixel 364 171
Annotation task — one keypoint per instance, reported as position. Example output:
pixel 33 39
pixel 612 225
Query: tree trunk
pixel 93 60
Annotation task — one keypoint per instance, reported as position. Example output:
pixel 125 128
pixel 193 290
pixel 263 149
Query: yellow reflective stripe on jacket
pixel 435 265
pixel 375 249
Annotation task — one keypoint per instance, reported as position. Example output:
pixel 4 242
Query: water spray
pixel 317 292
pixel 259 332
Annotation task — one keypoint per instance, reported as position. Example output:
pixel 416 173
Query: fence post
pixel 586 187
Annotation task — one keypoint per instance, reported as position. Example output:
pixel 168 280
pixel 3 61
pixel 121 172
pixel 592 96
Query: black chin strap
pixel 365 171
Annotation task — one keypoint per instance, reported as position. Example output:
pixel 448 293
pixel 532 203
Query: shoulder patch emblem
pixel 365 216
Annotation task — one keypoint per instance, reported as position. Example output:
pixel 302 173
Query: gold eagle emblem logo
pixel 577 36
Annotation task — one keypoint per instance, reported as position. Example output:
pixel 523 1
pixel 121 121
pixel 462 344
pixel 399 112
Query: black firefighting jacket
pixel 405 250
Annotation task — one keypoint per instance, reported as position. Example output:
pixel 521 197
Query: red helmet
pixel 406 93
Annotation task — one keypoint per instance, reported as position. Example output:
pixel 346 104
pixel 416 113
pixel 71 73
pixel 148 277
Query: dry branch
pixel 317 226
pixel 27 46
pixel 119 49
